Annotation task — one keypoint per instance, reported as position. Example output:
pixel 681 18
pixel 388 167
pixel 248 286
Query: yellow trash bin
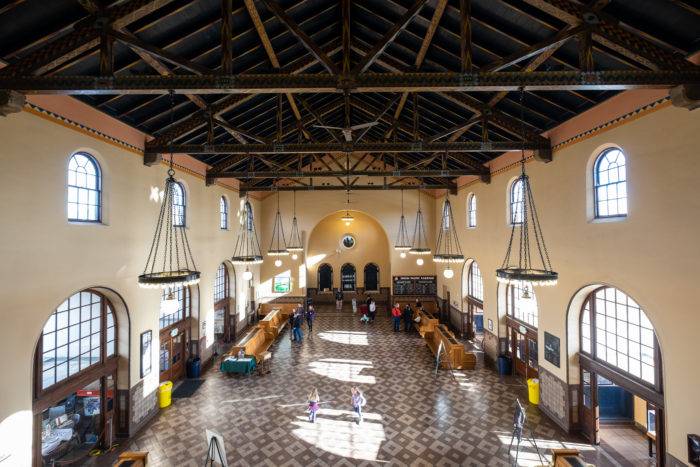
pixel 165 391
pixel 533 390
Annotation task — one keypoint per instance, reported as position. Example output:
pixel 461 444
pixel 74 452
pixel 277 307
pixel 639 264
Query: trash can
pixel 533 390
pixel 504 365
pixel 479 322
pixel 194 367
pixel 165 391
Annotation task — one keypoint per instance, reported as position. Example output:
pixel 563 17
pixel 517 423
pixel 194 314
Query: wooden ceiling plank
pixel 226 37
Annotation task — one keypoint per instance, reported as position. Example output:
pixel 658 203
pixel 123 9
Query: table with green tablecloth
pixel 244 365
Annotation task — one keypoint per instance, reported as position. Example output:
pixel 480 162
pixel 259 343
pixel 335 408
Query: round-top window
pixel 348 241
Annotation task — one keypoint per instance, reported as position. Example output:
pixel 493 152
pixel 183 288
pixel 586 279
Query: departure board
pixel 415 285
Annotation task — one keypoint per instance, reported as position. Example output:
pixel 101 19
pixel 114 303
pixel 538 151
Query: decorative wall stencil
pixel 551 349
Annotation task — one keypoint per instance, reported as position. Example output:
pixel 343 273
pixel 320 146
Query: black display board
pixel 415 285
pixel 551 349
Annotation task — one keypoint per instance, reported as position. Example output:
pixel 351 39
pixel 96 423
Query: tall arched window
pixel 476 284
pixel 179 205
pixel 347 277
pixel 84 188
pixel 610 184
pixel 221 284
pixel 471 211
pixel 616 331
pixel 371 277
pixel 223 213
pixel 521 304
pixel 517 202
pixel 325 277
pixel 169 317
pixel 80 333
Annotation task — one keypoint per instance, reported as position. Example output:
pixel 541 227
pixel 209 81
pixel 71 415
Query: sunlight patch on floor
pixel 528 453
pixel 343 370
pixel 336 432
pixel 345 337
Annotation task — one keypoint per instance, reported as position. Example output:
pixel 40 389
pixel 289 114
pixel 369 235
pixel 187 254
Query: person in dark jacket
pixel 298 321
pixel 310 315
pixel 339 300
pixel 407 317
pixel 292 334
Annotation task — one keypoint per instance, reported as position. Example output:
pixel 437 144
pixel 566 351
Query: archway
pixel 371 278
pixel 614 359
pixel 225 317
pixel 325 277
pixel 348 277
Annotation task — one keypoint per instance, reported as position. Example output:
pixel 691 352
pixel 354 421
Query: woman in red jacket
pixel 396 315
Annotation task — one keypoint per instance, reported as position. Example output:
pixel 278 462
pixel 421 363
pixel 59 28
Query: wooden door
pixel 523 351
pixel 172 357
pixel 588 407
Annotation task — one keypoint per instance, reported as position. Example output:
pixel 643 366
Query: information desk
pixel 244 365
pixel 454 355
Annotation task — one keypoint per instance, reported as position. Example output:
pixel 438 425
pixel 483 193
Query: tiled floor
pixel 626 444
pixel 411 417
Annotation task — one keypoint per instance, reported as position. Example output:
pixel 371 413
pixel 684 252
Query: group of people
pixel 357 400
pixel 297 318
pixel 397 314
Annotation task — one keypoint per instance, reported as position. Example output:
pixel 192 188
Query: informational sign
pixel 415 285
pixel 281 284
pixel 216 452
pixel 551 349
pixel 518 421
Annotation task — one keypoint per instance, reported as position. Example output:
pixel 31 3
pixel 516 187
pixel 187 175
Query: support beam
pixel 687 97
pixel 241 133
pixel 345 7
pixel 390 35
pixel 585 50
pixel 11 102
pixel 226 37
pixel 277 174
pixel 297 32
pixel 465 35
pixel 370 82
pixel 437 186
pixel 106 49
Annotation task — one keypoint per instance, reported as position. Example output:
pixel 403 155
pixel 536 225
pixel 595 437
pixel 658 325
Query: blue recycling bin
pixel 479 322
pixel 194 368
pixel 505 365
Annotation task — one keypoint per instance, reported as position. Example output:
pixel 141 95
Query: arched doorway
pixel 620 373
pixel 348 277
pixel 224 306
pixel 371 278
pixel 76 371
pixel 522 318
pixel 325 277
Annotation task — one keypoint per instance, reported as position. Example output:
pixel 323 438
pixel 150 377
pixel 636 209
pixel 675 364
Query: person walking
pixel 298 320
pixel 396 315
pixel 407 318
pixel 292 334
pixel 354 305
pixel 372 305
pixel 419 304
pixel 313 404
pixel 338 299
pixel 358 401
pixel 310 315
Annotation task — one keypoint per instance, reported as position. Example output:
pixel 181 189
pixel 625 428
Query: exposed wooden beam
pixel 106 52
pixel 297 32
pixel 585 50
pixel 465 34
pixel 226 37
pixel 238 131
pixel 345 7
pixel 278 174
pixel 244 188
pixel 388 37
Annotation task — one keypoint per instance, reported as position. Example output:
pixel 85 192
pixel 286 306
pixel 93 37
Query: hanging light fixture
pixel 278 243
pixel 420 239
pixel 247 275
pixel 402 244
pixel 170 262
pixel 295 245
pixel 247 250
pixel 170 305
pixel 447 249
pixel 347 218
pixel 525 271
pixel 419 261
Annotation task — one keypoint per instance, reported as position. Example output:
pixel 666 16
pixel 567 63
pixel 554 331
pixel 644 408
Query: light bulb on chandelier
pixel 419 261
pixel 295 256
pixel 403 254
pixel 448 273
pixel 247 275
pixel 278 262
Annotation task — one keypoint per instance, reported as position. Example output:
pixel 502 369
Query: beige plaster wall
pixel 651 255
pixel 45 258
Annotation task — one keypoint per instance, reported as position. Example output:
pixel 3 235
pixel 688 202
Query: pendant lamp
pixel 170 262
pixel 420 239
pixel 347 218
pixel 402 242
pixel 523 270
pixel 278 243
pixel 247 249
pixel 447 249
pixel 295 245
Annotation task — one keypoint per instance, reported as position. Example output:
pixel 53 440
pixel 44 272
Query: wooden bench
pixel 429 305
pixel 274 322
pixel 286 308
pixel 427 322
pixel 568 458
pixel 256 342
pixel 132 459
pixel 454 351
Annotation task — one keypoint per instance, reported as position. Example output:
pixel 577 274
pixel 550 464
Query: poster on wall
pixel 281 284
pixel 146 339
pixel 551 349
pixel 415 285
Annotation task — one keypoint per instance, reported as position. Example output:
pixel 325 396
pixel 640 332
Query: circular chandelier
pixel 278 243
pixel 247 249
pixel 170 262
pixel 420 239
pixel 447 249
pixel 402 244
pixel 524 270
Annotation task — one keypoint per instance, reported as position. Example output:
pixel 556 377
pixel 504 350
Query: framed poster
pixel 146 354
pixel 551 349
pixel 281 284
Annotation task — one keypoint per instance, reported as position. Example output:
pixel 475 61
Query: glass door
pixel 589 411
pixel 164 359
pixel 177 352
pixel 523 351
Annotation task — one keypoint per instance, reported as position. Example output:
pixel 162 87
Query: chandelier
pixel 402 244
pixel 526 271
pixel 295 245
pixel 170 262
pixel 420 239
pixel 247 249
pixel 447 249
pixel 347 218
pixel 278 243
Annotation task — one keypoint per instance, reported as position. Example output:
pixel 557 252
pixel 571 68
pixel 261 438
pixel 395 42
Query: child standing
pixel 358 401
pixel 354 305
pixel 313 404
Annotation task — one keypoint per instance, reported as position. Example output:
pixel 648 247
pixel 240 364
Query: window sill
pixel 471 228
pixel 605 220
pixel 95 223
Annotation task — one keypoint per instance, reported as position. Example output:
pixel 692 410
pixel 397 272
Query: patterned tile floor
pixel 411 417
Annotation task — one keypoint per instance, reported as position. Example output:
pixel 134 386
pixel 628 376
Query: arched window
pixel 517 202
pixel 521 304
pixel 325 277
pixel 169 316
pixel 371 277
pixel 221 290
pixel 471 211
pixel 84 188
pixel 80 333
pixel 476 283
pixel 610 184
pixel 179 205
pixel 616 331
pixel 223 213
pixel 347 277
